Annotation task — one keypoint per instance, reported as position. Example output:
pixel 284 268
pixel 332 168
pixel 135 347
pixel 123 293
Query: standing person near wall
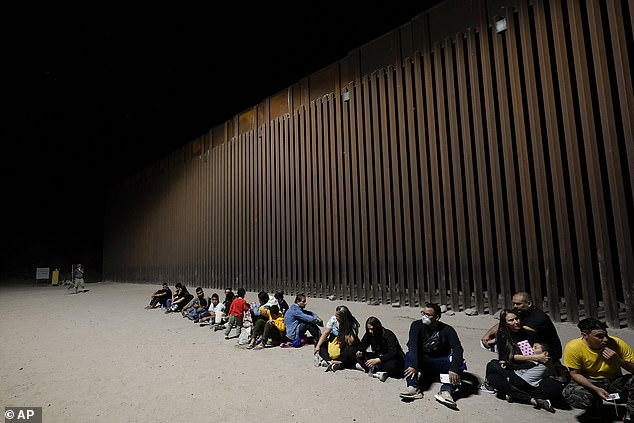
pixel 78 277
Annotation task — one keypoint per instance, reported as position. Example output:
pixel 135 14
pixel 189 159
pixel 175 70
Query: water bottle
pixel 371 371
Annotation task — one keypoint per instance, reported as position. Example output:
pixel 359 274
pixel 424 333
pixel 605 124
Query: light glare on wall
pixel 500 25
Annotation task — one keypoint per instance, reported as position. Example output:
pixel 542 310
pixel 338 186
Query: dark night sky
pixel 90 97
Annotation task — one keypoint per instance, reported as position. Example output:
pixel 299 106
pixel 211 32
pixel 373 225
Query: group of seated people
pixel 533 368
pixel 528 368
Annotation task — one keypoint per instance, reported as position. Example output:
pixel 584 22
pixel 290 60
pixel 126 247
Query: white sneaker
pixel 336 365
pixel 485 387
pixel 544 404
pixel 382 376
pixel 444 397
pixel 411 392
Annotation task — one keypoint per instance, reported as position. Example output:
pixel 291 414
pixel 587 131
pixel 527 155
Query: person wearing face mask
pixel 434 349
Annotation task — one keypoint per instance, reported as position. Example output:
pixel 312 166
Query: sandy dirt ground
pixel 99 356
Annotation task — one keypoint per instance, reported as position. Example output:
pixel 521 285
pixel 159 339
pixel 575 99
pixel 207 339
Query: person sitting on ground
pixel 596 362
pixel 387 358
pixel 181 297
pixel 500 373
pixel 279 296
pixel 433 349
pixel 530 373
pixel 274 329
pixel 337 345
pixel 264 301
pixel 236 313
pixel 178 288
pixel 196 306
pixel 538 326
pixel 160 297
pixel 298 321
pixel 229 297
pixel 260 316
pixel 214 313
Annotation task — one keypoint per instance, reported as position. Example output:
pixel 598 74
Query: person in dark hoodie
pixel 386 358
pixel 434 349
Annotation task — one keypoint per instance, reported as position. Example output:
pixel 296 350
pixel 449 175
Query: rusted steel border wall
pixel 483 148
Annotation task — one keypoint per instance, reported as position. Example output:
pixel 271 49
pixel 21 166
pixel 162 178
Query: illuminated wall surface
pixel 484 148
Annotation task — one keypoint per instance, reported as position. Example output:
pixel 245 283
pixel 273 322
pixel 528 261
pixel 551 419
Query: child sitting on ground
pixel 274 329
pixel 532 372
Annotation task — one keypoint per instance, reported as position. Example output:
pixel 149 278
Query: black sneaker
pixel 544 404
pixel 336 365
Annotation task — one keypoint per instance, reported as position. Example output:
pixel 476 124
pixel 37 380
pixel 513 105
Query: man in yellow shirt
pixel 596 362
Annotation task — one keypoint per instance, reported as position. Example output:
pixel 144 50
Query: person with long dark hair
pixel 337 345
pixel 386 358
pixel 279 296
pixel 500 373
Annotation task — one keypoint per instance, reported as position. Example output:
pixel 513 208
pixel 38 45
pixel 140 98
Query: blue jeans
pixel 430 368
pixel 194 313
pixel 312 328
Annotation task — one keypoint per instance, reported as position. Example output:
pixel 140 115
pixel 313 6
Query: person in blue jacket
pixel 298 321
